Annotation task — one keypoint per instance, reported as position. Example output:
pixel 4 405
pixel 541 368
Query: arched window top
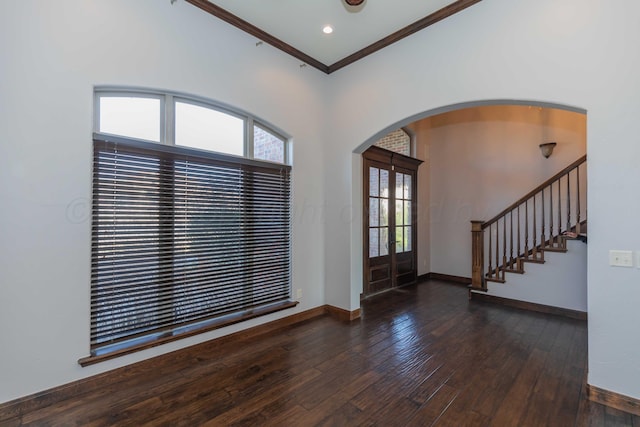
pixel 397 141
pixel 175 119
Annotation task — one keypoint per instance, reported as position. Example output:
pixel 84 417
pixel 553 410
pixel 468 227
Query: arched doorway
pixel 456 209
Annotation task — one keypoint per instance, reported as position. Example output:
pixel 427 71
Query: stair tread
pixel 492 279
pixel 514 270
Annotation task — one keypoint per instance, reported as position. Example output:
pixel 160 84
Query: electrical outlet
pixel 298 294
pixel 621 258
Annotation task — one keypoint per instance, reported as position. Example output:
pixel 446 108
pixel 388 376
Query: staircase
pixel 539 222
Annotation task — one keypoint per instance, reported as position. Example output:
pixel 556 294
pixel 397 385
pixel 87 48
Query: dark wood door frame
pixel 391 269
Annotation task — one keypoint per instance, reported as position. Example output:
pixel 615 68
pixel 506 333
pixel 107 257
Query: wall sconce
pixel 547 149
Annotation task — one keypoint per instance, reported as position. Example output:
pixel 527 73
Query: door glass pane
pixel 384 212
pixel 130 116
pixel 373 242
pixel 407 239
pixel 384 241
pixel 407 213
pixel 374 215
pixel 209 129
pixel 374 174
pixel 407 187
pixel 384 183
pixel 399 185
pixel 399 213
pixel 399 240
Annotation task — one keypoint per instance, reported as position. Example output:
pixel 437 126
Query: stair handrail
pixel 478 230
pixel 535 191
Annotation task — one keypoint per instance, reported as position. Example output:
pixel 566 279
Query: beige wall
pixel 420 130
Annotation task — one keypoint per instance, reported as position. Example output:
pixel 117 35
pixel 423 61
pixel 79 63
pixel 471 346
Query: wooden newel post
pixel 477 257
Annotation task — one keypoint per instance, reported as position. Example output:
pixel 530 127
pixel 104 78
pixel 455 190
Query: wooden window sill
pixel 220 323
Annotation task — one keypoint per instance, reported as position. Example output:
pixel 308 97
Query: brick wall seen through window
pixel 397 141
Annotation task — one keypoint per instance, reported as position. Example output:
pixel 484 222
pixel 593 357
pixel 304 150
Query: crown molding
pixel 410 29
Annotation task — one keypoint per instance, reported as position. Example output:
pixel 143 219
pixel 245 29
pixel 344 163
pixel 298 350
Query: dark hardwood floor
pixel 420 356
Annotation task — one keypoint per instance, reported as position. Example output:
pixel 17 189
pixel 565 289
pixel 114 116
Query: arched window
pixel 190 223
pixel 174 119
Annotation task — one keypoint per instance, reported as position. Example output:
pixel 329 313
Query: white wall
pixel 484 159
pixel 576 53
pixel 52 54
pixel 560 282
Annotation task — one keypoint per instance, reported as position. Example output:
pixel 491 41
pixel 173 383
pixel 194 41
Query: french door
pixel 390 184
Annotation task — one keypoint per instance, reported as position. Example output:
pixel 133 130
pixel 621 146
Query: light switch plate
pixel 638 259
pixel 621 258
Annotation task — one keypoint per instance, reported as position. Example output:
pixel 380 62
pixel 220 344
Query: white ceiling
pixel 299 23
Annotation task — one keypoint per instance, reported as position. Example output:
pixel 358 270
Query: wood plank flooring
pixel 419 356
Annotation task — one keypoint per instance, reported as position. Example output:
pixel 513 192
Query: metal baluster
pixel 568 202
pixel 504 244
pixel 543 238
pixel 526 229
pixel 551 236
pixel 578 226
pixel 497 250
pixel 511 239
pixel 518 247
pixel 490 269
pixel 559 212
pixel 535 230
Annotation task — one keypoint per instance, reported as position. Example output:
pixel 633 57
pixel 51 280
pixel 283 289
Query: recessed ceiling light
pixel 328 29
